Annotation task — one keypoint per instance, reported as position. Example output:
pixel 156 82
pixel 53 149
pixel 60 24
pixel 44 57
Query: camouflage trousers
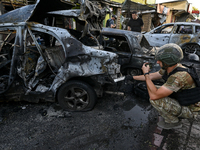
pixel 170 109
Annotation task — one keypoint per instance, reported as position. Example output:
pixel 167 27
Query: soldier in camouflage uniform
pixel 168 57
pixel 168 107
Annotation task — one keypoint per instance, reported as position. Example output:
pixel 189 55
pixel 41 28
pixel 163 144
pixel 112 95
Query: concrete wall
pixel 147 22
pixel 169 17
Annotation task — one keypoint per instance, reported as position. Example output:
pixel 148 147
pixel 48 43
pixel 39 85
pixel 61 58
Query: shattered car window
pixel 164 29
pixel 184 29
pixel 116 43
pixel 197 29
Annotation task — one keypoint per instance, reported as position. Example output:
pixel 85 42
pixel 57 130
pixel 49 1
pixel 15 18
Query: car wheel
pixel 76 96
pixel 133 71
pixel 191 49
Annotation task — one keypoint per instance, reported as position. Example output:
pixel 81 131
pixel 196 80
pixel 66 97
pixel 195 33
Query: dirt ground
pixel 116 123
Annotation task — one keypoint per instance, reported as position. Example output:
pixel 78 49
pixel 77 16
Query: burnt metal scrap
pixel 90 14
pixel 95 16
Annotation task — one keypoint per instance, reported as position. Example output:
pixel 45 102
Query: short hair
pixel 134 12
pixel 114 16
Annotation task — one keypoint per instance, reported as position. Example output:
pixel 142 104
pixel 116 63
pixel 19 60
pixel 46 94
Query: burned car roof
pixel 112 31
pixel 34 12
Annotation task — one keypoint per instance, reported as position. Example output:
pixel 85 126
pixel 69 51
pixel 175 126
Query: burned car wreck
pixel 132 48
pixel 41 61
pixel 185 34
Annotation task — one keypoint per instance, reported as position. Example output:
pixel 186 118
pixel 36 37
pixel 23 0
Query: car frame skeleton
pixel 43 62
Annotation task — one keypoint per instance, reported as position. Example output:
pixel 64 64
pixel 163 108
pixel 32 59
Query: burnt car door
pixel 43 56
pixel 182 34
pixel 187 36
pixel 160 35
pixel 8 55
pixel 119 45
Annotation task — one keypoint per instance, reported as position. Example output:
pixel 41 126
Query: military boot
pixel 165 125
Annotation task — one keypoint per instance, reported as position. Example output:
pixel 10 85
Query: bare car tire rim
pixel 192 49
pixel 76 96
pixel 134 72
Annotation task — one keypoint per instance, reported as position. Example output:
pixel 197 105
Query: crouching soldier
pixel 179 96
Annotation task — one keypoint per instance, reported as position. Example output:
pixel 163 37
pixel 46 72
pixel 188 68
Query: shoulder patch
pixel 171 80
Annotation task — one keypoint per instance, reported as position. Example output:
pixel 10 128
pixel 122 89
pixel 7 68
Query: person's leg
pixel 168 108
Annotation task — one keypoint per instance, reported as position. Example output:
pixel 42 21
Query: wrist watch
pixel 146 73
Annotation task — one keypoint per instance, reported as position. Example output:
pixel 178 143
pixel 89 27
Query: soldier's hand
pixel 145 68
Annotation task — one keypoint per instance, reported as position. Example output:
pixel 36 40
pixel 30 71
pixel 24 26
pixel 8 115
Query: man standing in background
pixel 110 22
pixel 135 23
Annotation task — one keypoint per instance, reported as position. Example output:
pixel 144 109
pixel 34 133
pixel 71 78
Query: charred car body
pixel 42 62
pixel 185 34
pixel 132 48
